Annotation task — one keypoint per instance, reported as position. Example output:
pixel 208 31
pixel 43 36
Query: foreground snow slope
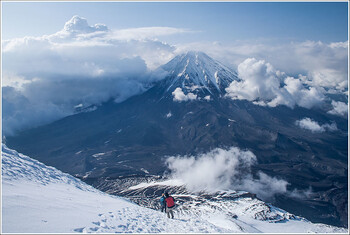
pixel 40 199
pixel 37 198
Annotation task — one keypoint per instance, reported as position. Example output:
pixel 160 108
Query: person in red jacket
pixel 170 204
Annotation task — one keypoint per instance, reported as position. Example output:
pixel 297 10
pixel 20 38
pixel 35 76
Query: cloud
pixel 313 126
pixel 324 64
pixel 81 64
pixel 147 33
pixel 180 96
pixel 339 108
pixel 264 85
pixel 80 25
pixel 222 169
pixel 19 112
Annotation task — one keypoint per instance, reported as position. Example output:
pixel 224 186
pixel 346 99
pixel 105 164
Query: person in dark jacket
pixel 170 205
pixel 162 203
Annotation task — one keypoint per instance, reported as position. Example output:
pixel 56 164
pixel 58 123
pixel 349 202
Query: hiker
pixel 162 203
pixel 170 204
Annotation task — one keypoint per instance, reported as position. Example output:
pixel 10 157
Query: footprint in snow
pixel 79 230
pixel 94 229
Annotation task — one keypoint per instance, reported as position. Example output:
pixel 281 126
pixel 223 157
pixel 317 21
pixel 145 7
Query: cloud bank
pixel 44 78
pixel 324 64
pixel 313 126
pixel 264 85
pixel 222 169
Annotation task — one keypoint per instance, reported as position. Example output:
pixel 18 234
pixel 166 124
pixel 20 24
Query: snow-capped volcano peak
pixel 196 70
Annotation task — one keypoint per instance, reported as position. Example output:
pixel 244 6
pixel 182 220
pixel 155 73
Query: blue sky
pixel 214 21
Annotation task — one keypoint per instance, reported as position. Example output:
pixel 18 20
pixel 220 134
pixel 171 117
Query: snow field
pixel 41 199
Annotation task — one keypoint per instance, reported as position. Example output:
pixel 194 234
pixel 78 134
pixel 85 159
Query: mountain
pixel 196 71
pixel 54 202
pixel 187 113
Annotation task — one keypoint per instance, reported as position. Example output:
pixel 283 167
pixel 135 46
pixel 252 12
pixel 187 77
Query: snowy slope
pixel 40 199
pixel 37 198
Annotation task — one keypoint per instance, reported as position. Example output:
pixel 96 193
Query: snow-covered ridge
pixel 41 199
pixel 196 69
pixel 18 167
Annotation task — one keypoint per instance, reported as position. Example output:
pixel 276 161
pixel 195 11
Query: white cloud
pixel 313 126
pixel 339 108
pixel 80 25
pixel 19 112
pixel 325 64
pixel 222 169
pixel 264 85
pixel 304 97
pixel 180 96
pixel 147 33
pixel 79 64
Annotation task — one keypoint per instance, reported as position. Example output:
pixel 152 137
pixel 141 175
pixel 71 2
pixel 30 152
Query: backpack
pixel 170 202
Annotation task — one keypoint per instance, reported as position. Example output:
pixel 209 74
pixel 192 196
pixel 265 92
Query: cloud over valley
pixel 225 169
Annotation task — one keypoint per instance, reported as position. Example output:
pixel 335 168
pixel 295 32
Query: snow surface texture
pixel 40 199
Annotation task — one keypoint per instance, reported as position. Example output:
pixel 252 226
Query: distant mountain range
pixel 187 112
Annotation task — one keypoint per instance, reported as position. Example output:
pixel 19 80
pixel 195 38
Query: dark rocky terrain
pixel 132 138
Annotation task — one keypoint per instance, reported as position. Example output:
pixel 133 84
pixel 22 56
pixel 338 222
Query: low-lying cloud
pixel 339 108
pixel 313 126
pixel 222 169
pixel 324 64
pixel 45 77
pixel 264 85
pixel 179 95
